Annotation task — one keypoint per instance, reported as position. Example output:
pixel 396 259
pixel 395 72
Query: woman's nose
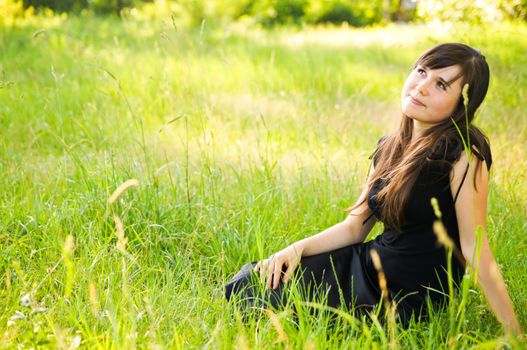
pixel 422 87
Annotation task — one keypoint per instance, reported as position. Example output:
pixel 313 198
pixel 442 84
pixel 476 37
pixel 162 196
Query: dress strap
pixel 369 217
pixel 461 184
pixel 477 154
pixel 481 158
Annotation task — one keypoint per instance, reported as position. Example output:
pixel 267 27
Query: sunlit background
pixel 248 125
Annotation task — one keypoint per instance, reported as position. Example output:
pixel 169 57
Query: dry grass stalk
pixel 282 336
pixel 464 92
pixel 241 342
pixel 392 316
pixel 67 253
pixel 390 308
pixel 8 278
pixel 69 246
pixel 123 187
pixel 38 32
pixel 441 233
pixel 309 345
pixel 382 277
pixel 121 239
pixel 215 332
pixel 92 292
pixel 435 206
pixel 446 241
pixel 474 264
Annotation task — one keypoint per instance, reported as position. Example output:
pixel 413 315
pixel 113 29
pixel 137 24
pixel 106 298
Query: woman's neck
pixel 416 134
pixel 418 130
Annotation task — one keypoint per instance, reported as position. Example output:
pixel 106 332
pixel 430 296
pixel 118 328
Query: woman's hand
pixel 271 268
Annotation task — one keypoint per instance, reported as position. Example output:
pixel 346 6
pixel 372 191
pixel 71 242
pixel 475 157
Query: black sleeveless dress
pixel 414 262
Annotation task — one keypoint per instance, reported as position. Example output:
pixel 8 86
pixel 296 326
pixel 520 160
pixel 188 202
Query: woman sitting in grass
pixel 436 156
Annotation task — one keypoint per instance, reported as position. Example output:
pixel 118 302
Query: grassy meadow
pixel 242 141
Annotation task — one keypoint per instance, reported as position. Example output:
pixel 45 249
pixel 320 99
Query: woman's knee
pixel 241 281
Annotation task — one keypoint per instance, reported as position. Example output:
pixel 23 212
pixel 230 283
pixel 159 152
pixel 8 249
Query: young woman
pixel 435 153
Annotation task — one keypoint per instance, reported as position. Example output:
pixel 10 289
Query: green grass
pixel 243 141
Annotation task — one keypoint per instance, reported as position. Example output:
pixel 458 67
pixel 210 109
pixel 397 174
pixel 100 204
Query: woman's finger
pixel 277 273
pixel 288 273
pixel 270 272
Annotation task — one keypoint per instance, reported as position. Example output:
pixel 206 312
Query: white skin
pixel 431 88
pixel 439 100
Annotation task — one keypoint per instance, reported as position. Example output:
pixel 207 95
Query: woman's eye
pixel 420 71
pixel 441 85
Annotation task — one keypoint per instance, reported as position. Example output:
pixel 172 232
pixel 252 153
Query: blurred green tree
pixel 97 6
pixel 482 11
pixel 273 12
pixel 57 5
pixel 355 13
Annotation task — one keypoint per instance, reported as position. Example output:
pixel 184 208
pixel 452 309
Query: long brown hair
pixel 398 162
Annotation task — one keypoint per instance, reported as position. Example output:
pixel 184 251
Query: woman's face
pixel 427 97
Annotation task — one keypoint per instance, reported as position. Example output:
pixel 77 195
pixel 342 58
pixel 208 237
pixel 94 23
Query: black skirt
pixel 344 276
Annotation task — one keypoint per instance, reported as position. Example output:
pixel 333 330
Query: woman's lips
pixel 416 102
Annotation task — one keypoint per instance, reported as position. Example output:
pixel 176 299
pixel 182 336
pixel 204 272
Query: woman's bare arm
pixel 349 231
pixel 471 212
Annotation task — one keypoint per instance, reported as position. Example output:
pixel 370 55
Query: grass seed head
pixel 444 239
pixel 67 253
pixel 282 336
pixel 69 247
pixel 241 342
pixel 92 291
pixel 465 95
pixel 442 235
pixel 123 187
pixel 7 278
pixel 382 277
pixel 121 238
pixel 435 206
